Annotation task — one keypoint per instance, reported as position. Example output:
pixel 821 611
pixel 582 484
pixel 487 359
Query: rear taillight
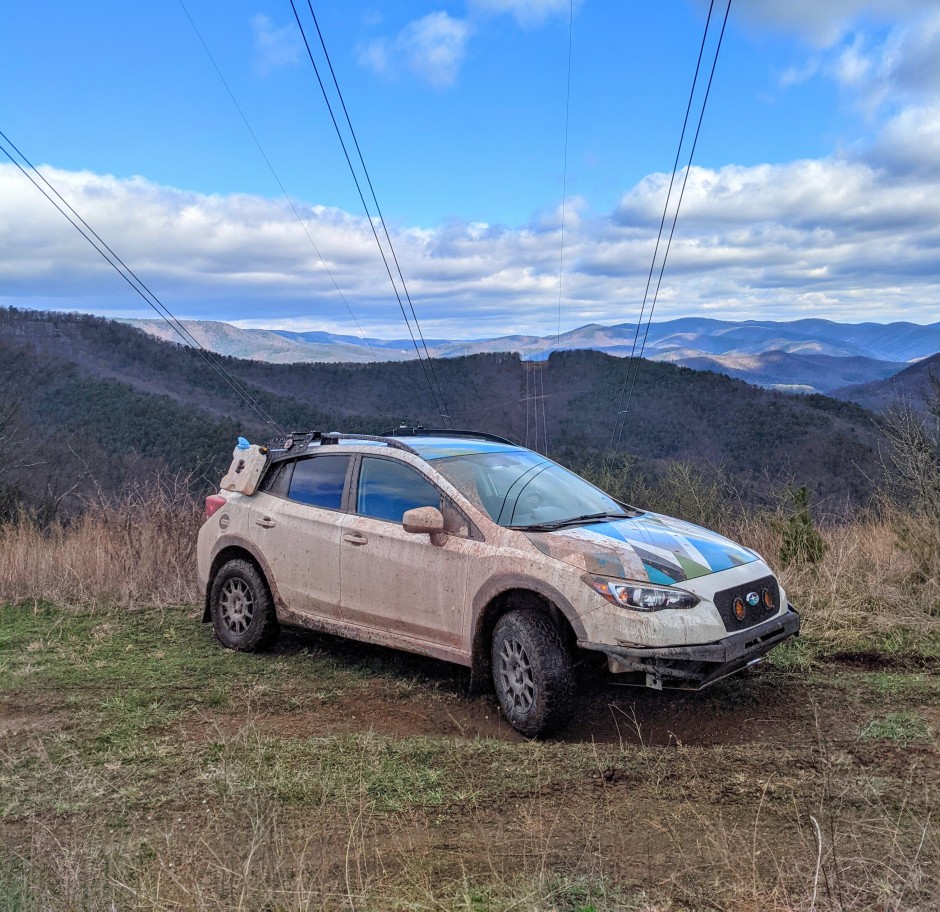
pixel 214 502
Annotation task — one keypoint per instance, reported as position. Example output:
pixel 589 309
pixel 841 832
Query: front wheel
pixel 242 610
pixel 533 672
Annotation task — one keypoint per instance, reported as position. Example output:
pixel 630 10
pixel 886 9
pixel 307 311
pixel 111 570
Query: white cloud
pixel 824 22
pixel 910 142
pixel 527 13
pixel 797 75
pixel 274 47
pixel 432 47
pixel 849 240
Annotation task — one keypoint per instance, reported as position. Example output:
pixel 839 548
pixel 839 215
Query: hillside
pixel 800 356
pixel 909 387
pixel 261 344
pixel 97 397
pixel 789 372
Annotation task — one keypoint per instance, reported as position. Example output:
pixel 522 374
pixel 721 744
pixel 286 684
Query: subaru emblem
pixel 753 599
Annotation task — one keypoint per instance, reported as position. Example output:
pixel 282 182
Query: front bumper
pixel 695 667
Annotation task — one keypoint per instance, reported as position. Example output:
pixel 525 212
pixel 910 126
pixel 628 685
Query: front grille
pixel 753 614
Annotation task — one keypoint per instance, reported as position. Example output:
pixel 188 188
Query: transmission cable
pixel 375 200
pixel 564 180
pixel 274 174
pixel 129 276
pixel 436 393
pixel 633 365
pixel 685 180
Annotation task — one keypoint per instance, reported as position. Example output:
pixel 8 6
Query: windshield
pixel 522 488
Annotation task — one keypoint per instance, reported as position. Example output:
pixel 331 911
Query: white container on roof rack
pixel 248 462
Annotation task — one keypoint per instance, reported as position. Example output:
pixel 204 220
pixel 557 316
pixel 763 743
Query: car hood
pixel 650 546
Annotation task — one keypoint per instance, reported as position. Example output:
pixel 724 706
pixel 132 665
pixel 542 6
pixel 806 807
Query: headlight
pixel 640 598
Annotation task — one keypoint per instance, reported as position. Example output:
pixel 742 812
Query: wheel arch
pixel 235 549
pixel 507 593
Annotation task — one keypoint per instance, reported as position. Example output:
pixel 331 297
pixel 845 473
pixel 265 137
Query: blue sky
pixel 815 192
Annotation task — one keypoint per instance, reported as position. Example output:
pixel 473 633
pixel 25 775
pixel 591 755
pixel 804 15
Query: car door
pixel 297 521
pixel 396 581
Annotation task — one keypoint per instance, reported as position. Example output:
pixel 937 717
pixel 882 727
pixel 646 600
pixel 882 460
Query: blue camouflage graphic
pixel 659 548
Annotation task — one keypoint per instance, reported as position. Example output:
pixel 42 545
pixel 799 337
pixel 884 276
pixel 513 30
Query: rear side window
pixel 277 479
pixel 319 481
pixel 388 489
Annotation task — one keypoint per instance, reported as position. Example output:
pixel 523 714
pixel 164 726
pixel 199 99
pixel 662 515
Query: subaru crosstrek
pixel 471 549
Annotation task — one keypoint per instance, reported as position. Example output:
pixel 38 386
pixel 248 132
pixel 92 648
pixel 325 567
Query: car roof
pixel 432 448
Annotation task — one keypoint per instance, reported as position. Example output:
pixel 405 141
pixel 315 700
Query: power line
pixel 378 208
pixel 274 173
pixel 633 365
pixel 685 178
pixel 129 276
pixel 564 182
pixel 427 366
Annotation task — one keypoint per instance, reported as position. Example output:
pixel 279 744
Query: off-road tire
pixel 533 672
pixel 241 607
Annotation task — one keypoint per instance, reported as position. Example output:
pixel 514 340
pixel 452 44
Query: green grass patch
pixel 904 686
pixel 796 654
pixel 903 728
pixel 387 774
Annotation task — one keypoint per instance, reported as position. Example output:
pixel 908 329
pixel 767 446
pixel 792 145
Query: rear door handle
pixel 354 538
pixel 265 522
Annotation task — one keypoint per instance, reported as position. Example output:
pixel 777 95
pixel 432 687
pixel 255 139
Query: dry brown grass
pixel 868 585
pixel 139 549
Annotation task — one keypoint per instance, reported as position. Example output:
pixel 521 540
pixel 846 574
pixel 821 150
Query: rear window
pixel 319 481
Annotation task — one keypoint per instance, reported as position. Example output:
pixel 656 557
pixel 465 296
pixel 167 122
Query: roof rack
pixel 419 431
pixel 298 441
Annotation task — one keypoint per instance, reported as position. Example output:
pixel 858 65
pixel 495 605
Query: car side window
pixel 319 481
pixel 387 490
pixel 277 479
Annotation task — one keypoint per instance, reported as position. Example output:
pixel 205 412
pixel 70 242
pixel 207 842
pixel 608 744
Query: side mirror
pixel 427 520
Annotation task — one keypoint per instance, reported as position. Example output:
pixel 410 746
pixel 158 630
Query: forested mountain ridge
pixel 794 356
pixel 911 387
pixel 112 404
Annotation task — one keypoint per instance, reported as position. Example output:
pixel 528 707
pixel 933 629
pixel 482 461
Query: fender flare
pixel 483 618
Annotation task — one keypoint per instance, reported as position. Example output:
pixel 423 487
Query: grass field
pixel 142 767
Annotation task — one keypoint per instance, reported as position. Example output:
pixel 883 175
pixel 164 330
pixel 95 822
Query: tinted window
pixel 387 489
pixel 319 481
pixel 277 479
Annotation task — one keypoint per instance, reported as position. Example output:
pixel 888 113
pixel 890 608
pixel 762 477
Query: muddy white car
pixel 471 549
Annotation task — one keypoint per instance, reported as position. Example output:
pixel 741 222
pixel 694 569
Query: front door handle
pixel 265 522
pixel 355 538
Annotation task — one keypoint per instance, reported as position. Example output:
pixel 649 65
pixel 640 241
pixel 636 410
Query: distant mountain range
pixel 810 356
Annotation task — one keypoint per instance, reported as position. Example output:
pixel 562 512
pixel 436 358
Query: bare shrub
pixel 138 548
pixel 703 494
pixel 912 490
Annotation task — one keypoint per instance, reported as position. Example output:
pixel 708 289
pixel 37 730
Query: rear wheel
pixel 533 672
pixel 242 610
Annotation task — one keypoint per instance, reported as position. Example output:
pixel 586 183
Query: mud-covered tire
pixel 533 672
pixel 241 607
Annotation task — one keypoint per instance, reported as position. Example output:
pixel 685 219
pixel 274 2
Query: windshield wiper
pixel 572 521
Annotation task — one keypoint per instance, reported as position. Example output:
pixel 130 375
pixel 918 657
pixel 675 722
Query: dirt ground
pixel 372 779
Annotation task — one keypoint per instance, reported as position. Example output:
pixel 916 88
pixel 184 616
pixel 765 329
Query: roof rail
pixel 335 437
pixel 419 431
pixel 298 441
